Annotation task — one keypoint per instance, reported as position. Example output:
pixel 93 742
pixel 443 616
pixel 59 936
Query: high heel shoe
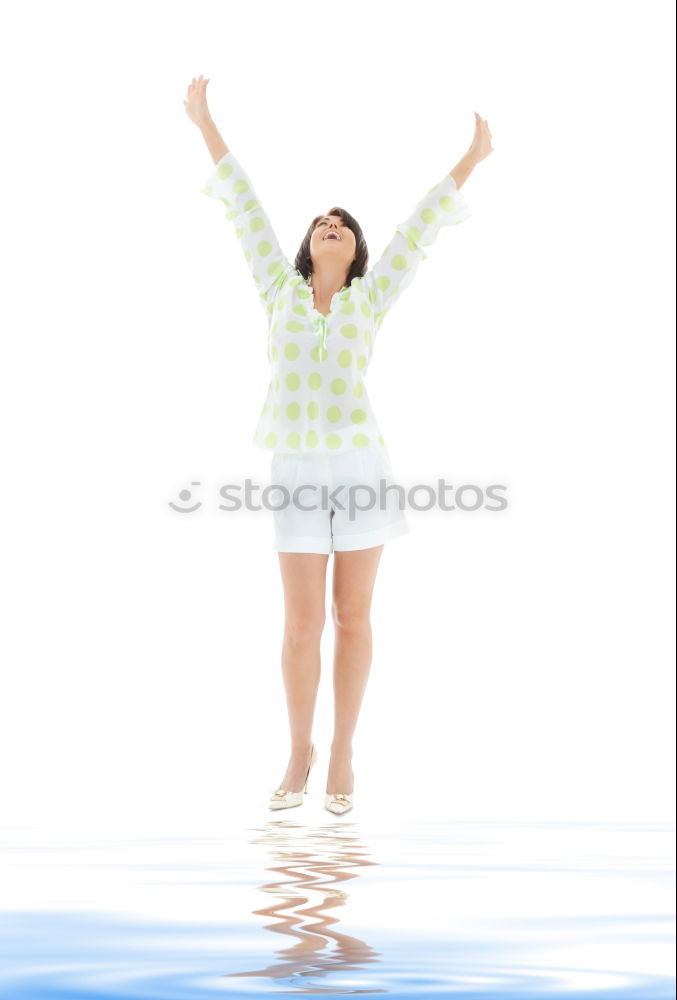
pixel 282 799
pixel 338 802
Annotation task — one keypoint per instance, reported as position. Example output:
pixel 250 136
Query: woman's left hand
pixel 480 147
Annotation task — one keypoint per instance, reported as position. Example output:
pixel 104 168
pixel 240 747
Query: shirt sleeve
pixel 442 205
pixel 229 184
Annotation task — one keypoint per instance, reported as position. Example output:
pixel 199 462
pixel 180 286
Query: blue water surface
pixel 462 910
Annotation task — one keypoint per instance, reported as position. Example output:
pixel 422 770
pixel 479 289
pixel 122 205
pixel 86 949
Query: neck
pixel 326 283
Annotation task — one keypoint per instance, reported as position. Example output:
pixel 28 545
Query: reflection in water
pixel 310 871
pixel 461 911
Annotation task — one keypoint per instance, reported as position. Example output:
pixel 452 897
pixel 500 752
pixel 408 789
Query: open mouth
pixel 331 235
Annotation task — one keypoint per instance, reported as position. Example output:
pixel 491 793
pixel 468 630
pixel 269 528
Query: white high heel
pixel 338 802
pixel 282 799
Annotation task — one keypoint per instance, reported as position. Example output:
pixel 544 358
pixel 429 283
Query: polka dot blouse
pixel 316 399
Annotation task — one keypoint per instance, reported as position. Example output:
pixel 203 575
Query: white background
pixel 522 660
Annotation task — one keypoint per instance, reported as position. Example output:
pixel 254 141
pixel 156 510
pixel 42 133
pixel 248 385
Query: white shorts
pixel 351 509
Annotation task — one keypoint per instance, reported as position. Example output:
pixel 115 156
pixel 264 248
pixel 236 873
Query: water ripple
pixel 486 911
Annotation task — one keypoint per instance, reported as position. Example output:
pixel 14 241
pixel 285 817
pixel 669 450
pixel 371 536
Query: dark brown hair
pixel 358 268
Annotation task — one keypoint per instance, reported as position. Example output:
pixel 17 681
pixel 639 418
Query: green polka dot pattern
pixel 300 411
pixel 319 353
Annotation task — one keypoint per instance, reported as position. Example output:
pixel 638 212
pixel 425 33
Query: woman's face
pixel 331 239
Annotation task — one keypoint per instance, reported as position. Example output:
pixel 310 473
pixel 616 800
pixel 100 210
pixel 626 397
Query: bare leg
pixel 353 586
pixel 304 576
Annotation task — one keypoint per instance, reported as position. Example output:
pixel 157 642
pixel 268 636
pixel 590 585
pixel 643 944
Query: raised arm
pixel 396 268
pixel 442 205
pixel 229 184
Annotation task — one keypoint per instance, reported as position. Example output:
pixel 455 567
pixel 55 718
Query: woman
pixel 319 425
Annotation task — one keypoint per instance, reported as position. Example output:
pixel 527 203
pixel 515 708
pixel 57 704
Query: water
pixel 462 910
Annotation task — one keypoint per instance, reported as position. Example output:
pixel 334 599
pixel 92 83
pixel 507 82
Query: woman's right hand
pixel 196 102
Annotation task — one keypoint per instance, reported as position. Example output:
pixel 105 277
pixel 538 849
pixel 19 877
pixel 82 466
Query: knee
pixel 304 628
pixel 350 615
